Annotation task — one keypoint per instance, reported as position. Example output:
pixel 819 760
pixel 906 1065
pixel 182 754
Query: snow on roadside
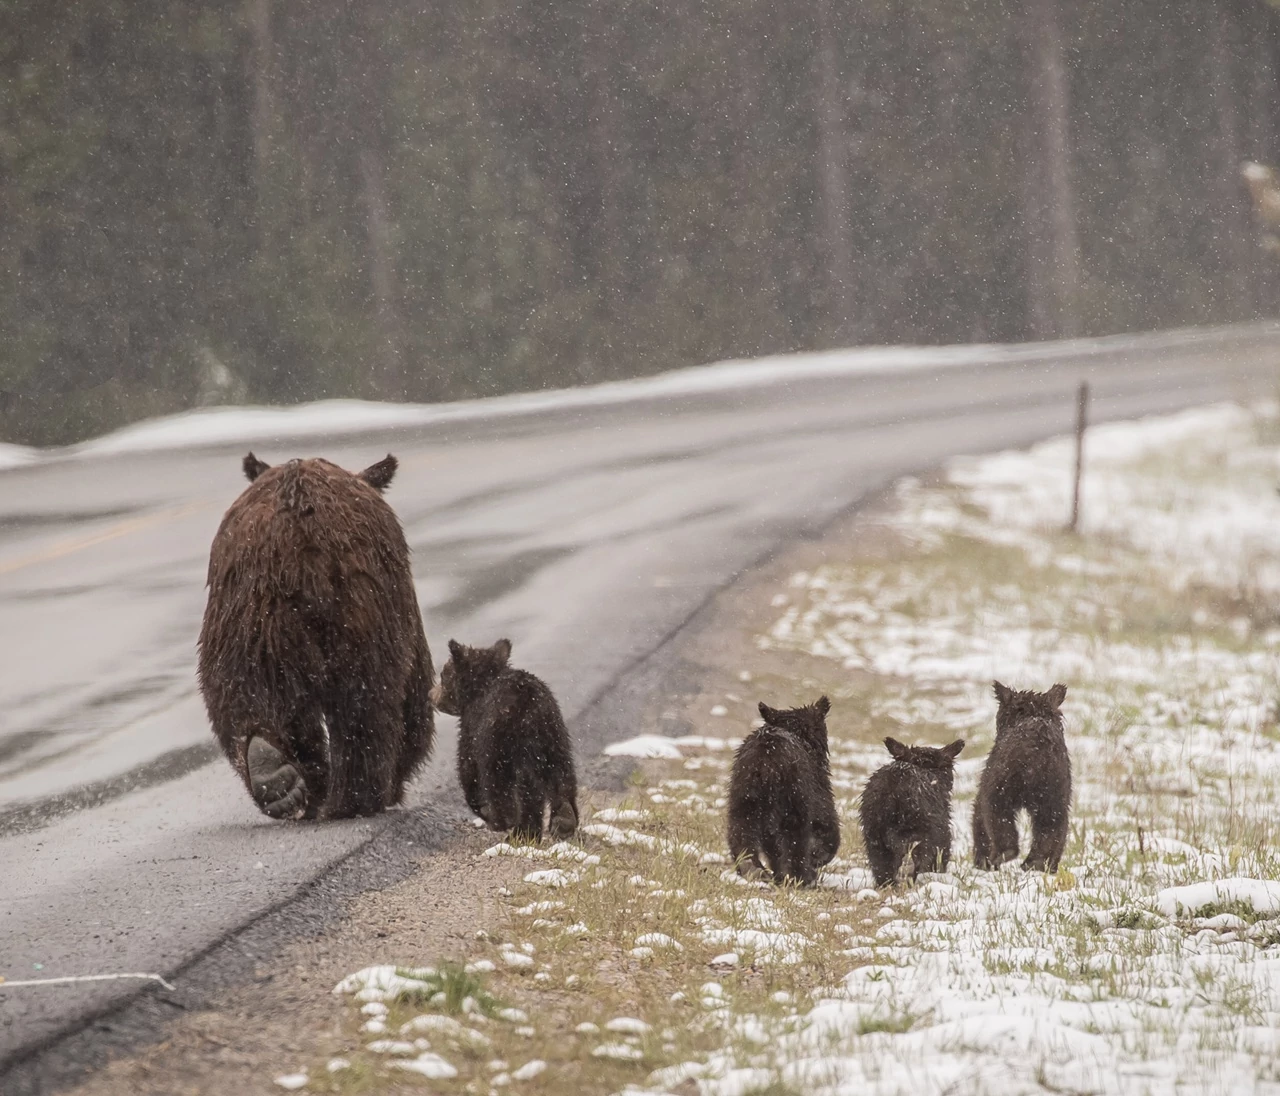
pixel 1151 963
pixel 15 456
pixel 330 418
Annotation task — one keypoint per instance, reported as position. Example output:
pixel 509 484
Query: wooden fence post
pixel 1082 412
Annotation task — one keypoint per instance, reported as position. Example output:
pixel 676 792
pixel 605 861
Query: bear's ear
pixel 502 649
pixel 1057 695
pixel 896 749
pixel 1003 693
pixel 823 705
pixel 381 474
pixel 456 650
pixel 253 467
pixel 954 749
pixel 769 715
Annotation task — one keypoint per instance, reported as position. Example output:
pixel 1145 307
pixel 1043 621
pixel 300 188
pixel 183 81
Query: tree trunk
pixel 262 118
pixel 1234 245
pixel 834 221
pixel 382 274
pixel 608 155
pixel 1049 216
pixel 1263 106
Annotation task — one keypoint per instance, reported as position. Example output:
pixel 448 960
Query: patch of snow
pixel 645 746
pixel 384 983
pixel 614 814
pixel 1261 895
pixel 623 1052
pixel 658 940
pixel 428 1065
pixel 553 877
pixel 627 1025
pixel 529 1070
pixel 16 456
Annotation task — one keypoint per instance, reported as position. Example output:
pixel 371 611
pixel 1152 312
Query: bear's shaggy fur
pixel 313 663
pixel 515 761
pixel 906 808
pixel 782 814
pixel 1028 769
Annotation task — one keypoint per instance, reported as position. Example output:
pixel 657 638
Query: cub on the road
pixel 782 813
pixel 313 663
pixel 515 761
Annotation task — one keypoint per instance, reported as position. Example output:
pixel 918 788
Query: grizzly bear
pixel 782 813
pixel 515 761
pixel 1029 770
pixel 313 663
pixel 906 808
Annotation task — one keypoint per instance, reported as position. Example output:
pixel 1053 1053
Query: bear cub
pixel 782 814
pixel 1029 770
pixel 906 809
pixel 514 757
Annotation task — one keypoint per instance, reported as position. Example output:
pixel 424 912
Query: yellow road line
pixel 77 544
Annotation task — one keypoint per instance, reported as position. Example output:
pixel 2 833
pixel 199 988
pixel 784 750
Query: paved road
pixel 588 536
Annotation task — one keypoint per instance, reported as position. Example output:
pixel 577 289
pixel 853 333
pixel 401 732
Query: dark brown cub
pixel 1029 770
pixel 313 663
pixel 782 815
pixel 906 809
pixel 515 760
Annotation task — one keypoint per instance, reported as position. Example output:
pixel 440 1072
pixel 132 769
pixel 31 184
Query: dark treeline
pixel 279 200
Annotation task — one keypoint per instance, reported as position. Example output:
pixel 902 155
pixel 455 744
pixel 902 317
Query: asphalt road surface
pixel 589 536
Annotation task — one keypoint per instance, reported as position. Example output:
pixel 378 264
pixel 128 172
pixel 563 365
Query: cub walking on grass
pixel 906 809
pixel 514 756
pixel 1029 770
pixel 782 814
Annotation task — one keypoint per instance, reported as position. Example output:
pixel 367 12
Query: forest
pixel 274 200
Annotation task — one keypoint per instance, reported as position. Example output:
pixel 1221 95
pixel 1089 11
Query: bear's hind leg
pixel 364 734
pixel 1049 831
pixel 419 722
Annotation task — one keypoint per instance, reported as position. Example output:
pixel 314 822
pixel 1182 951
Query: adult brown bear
pixel 313 663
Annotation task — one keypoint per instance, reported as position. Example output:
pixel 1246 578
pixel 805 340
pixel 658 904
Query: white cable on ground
pixel 5 983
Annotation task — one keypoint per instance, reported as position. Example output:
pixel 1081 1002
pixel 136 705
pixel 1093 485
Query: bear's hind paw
pixel 278 788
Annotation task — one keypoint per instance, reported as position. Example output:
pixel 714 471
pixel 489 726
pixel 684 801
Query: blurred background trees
pixel 278 200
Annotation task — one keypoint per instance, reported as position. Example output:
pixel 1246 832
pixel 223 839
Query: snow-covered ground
pixel 332 418
pixel 1149 964
pixel 14 456
pixel 335 418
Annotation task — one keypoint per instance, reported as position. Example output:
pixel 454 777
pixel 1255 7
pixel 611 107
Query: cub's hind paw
pixel 278 788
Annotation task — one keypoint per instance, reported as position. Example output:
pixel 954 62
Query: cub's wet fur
pixel 1029 770
pixel 515 761
pixel 782 814
pixel 906 810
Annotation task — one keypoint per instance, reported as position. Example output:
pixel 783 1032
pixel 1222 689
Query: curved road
pixel 588 535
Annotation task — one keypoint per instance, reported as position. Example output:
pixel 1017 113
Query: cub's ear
pixel 456 650
pixel 503 650
pixel 1057 695
pixel 769 715
pixel 823 705
pixel 253 467
pixel 954 749
pixel 1003 693
pixel 896 749
pixel 381 474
